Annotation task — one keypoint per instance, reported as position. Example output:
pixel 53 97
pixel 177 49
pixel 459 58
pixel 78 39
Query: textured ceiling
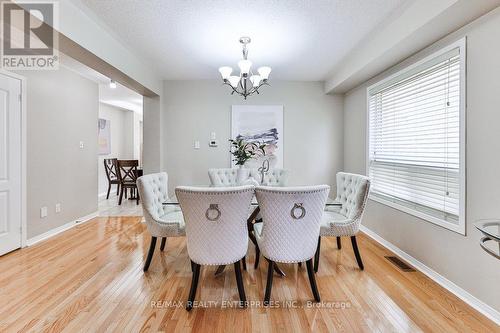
pixel 299 39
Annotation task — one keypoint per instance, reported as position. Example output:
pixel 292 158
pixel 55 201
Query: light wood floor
pixel 90 279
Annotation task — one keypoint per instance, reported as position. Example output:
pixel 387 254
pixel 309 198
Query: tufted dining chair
pixel 290 228
pixel 161 220
pixel 216 229
pixel 273 177
pixel 352 193
pixel 223 177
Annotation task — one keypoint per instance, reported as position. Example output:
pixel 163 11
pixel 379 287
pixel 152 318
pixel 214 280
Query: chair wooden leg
pixel 150 253
pixel 257 256
pixel 162 245
pixel 117 189
pixel 194 285
pixel 121 197
pixel 244 262
pixel 312 280
pixel 316 255
pixel 339 243
pixel 356 252
pixel 269 285
pixel 239 282
pixel 109 189
pixel 136 197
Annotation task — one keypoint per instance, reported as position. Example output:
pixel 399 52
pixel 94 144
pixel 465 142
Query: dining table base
pixel 220 269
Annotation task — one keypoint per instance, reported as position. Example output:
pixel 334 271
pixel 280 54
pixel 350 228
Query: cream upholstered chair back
pixel 153 192
pixel 352 192
pixel 274 177
pixel 215 219
pixel 224 177
pixel 292 219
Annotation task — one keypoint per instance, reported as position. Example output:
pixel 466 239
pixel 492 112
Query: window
pixel 416 139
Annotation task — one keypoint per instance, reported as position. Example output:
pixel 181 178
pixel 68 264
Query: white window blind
pixel 415 137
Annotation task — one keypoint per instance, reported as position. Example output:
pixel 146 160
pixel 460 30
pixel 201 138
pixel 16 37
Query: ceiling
pixel 299 39
pixel 120 96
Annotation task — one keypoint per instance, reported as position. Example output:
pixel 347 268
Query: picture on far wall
pixel 260 124
pixel 104 136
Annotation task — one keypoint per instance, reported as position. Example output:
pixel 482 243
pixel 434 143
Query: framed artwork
pixel 260 124
pixel 104 136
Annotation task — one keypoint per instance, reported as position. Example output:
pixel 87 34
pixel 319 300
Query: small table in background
pixel 491 233
pixel 139 173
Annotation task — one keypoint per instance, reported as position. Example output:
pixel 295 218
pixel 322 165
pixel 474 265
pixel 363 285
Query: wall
pixel 62 110
pixel 122 139
pixel 152 135
pixel 193 109
pixel 456 257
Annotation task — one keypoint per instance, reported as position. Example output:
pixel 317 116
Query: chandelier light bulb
pixel 264 72
pixel 255 79
pixel 225 72
pixel 234 80
pixel 245 66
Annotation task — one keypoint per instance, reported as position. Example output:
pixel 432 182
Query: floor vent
pixel 400 263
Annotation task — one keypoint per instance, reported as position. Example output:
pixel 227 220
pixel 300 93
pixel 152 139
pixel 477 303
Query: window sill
pixel 458 228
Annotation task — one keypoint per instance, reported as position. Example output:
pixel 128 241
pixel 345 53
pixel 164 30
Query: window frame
pixel 461 226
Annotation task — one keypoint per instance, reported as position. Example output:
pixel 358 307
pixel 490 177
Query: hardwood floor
pixel 90 279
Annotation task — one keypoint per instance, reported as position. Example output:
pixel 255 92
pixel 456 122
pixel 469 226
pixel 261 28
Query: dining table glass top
pixel 490 228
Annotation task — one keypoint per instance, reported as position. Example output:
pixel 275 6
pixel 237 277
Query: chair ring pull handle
pixel 302 211
pixel 210 217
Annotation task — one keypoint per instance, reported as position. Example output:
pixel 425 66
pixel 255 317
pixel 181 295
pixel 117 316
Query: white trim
pixel 58 230
pixel 24 195
pixel 102 195
pixel 461 227
pixel 464 295
pixel 408 210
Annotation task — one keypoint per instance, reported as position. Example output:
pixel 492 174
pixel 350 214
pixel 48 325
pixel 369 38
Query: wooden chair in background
pixel 127 171
pixel 111 168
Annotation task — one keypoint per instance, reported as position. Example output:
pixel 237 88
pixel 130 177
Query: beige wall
pixel 456 257
pixel 193 109
pixel 152 135
pixel 122 139
pixel 62 110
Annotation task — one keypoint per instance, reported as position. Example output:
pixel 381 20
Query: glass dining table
pixel 250 222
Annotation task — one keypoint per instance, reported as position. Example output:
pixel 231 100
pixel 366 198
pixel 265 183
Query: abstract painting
pixel 104 136
pixel 260 124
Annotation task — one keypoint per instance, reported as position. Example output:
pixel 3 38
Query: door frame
pixel 24 196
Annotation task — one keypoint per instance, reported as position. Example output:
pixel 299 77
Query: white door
pixel 10 164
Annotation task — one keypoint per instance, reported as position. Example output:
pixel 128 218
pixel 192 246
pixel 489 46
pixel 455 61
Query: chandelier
pixel 246 83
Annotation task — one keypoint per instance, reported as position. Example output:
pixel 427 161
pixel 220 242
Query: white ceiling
pixel 120 96
pixel 299 39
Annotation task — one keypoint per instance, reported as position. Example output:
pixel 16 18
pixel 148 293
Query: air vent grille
pixel 400 264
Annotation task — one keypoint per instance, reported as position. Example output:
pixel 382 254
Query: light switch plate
pixel 82 145
pixel 43 212
pixel 58 207
pixel 197 144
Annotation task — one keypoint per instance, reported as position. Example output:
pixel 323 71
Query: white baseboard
pixel 60 229
pixel 465 296
pixel 102 195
